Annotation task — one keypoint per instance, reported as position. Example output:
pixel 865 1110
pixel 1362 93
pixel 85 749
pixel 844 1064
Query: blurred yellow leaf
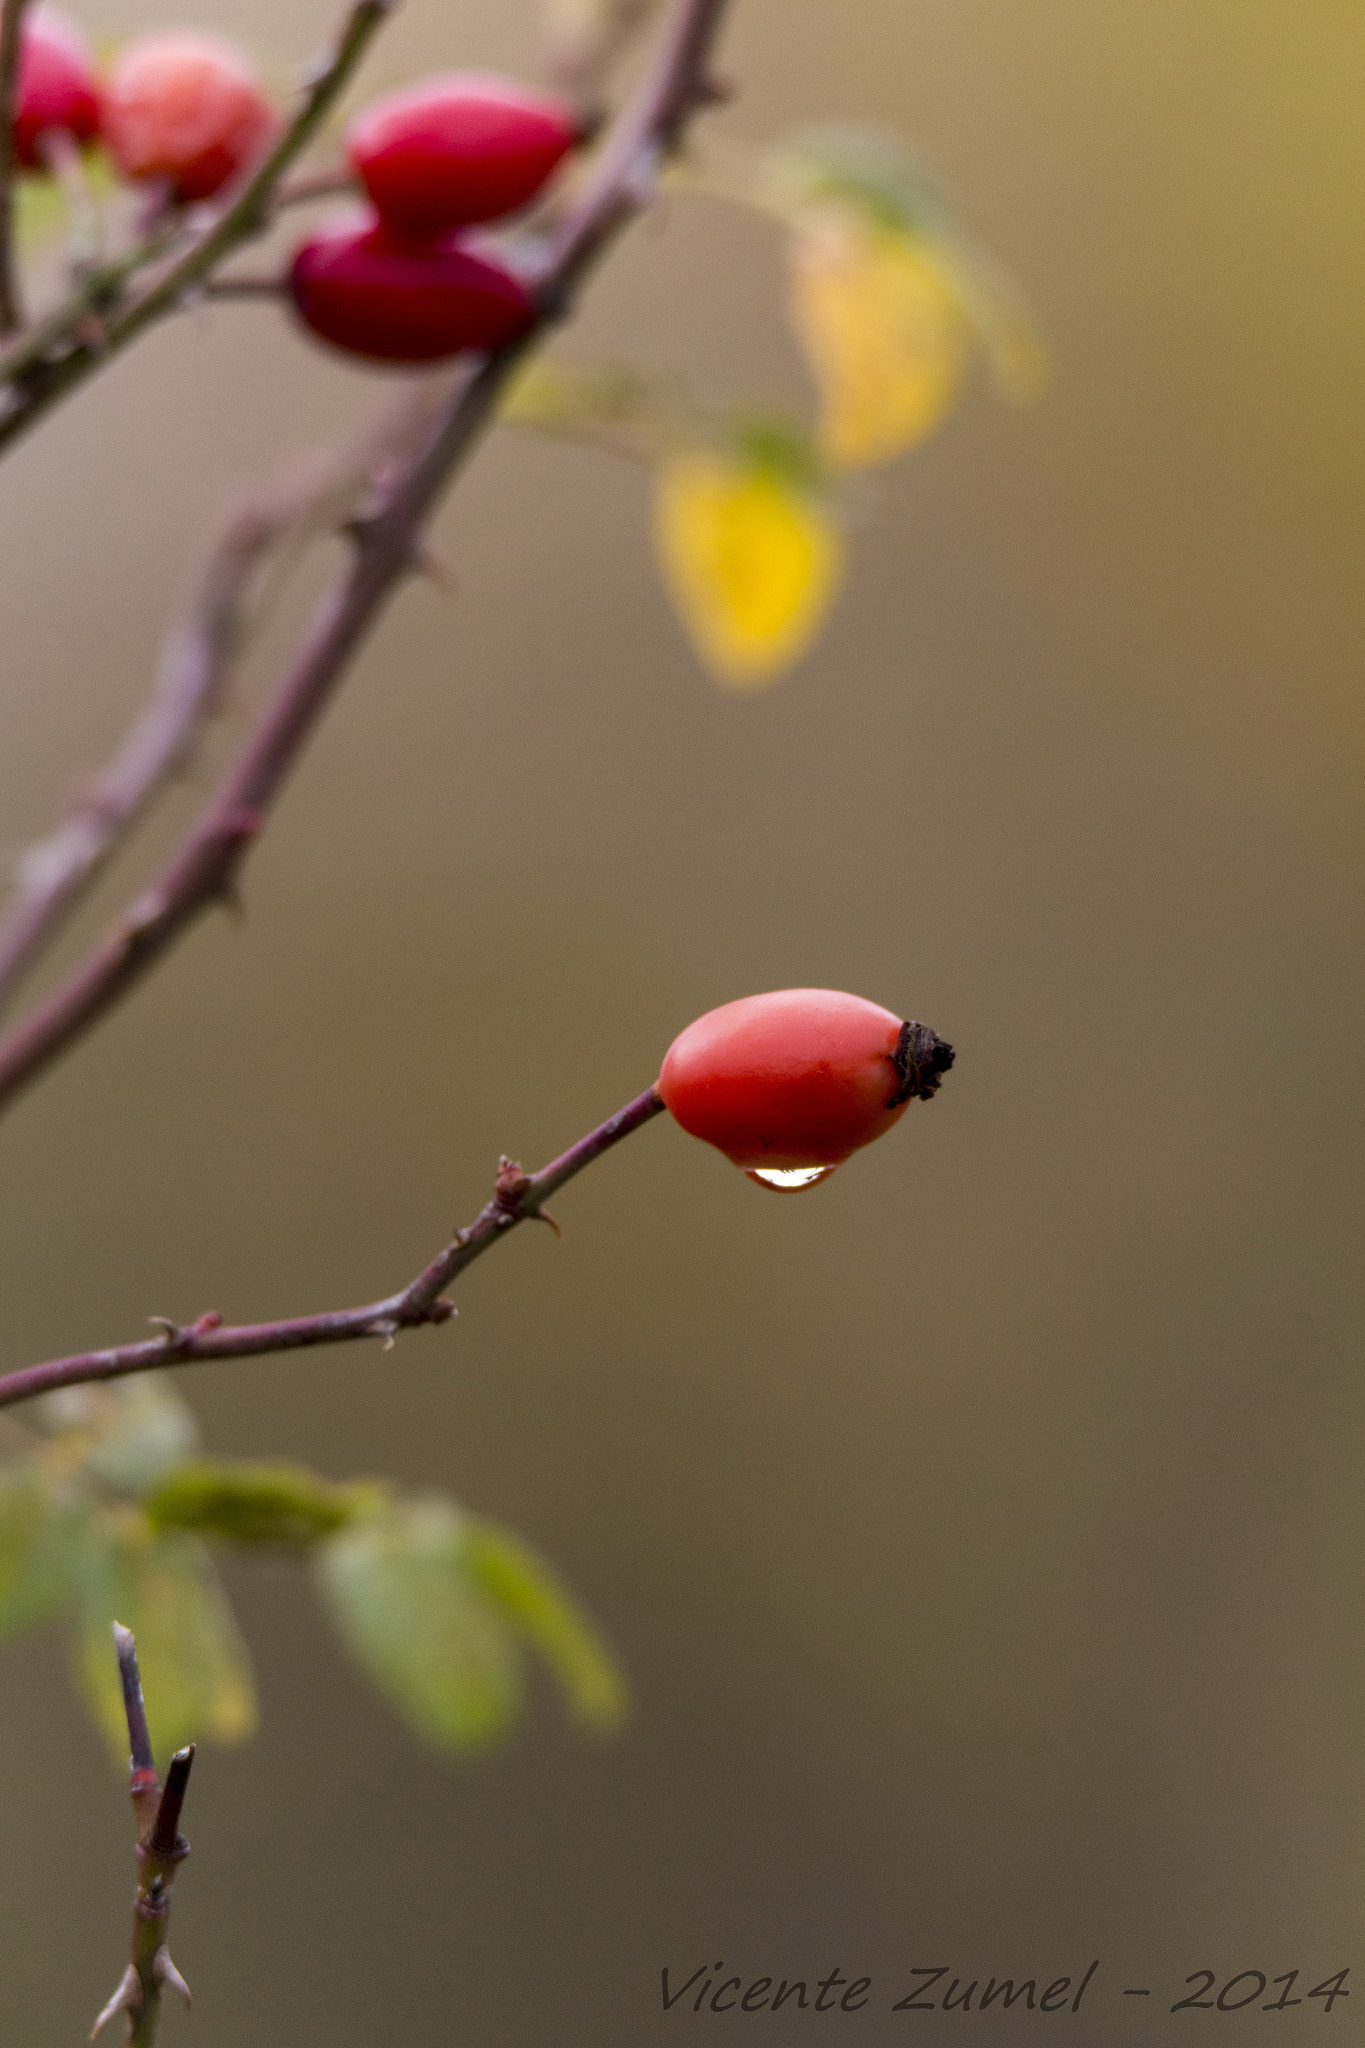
pixel 752 561
pixel 884 328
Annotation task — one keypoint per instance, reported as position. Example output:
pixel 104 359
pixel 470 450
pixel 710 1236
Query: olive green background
pixel 982 1531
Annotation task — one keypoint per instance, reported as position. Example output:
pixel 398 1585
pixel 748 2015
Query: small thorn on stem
pixel 544 1216
pixel 166 1974
pixel 128 1998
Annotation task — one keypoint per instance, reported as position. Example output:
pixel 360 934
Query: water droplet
pixel 789 1179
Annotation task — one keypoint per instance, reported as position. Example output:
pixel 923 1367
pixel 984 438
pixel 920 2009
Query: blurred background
pixel 981 1531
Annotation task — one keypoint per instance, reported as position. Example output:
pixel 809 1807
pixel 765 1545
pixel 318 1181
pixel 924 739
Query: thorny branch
pixel 517 1197
pixel 203 870
pixel 309 495
pixel 11 36
pixel 161 1849
pixel 94 323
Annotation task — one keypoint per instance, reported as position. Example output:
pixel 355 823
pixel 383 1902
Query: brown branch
pixel 203 870
pixel 517 1198
pixel 161 1849
pixel 11 42
pixel 308 496
pixel 92 325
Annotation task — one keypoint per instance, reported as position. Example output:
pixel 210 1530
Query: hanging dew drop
pixel 789 1179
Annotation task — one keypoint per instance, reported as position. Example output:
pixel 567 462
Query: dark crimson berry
pixel 56 87
pixel 787 1085
pixel 457 149
pixel 398 302
pixel 187 109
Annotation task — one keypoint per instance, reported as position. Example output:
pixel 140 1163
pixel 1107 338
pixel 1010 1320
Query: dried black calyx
pixel 921 1059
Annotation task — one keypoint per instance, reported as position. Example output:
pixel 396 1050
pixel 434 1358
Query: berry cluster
pixel 405 282
pixel 401 280
pixel 180 110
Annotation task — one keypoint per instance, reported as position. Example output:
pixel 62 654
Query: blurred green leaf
pixel 526 1589
pixel 42 208
pixel 36 1548
pixel 863 169
pixel 402 1588
pixel 256 1503
pixel 196 1676
pixel 609 405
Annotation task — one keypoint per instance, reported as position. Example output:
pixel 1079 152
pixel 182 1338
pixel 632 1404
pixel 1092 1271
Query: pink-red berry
pixel 188 110
pixel 788 1084
pixel 393 301
pixel 56 86
pixel 457 149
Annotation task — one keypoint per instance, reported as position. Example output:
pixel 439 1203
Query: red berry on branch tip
pixel 788 1084
pixel 187 109
pixel 56 85
pixel 393 301
pixel 456 149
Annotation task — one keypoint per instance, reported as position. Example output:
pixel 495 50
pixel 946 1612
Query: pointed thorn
pixel 437 572
pixel 165 1972
pixel 544 1216
pixel 128 1998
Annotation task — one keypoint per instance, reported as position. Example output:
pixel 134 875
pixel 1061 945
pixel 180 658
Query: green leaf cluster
pixel 107 1513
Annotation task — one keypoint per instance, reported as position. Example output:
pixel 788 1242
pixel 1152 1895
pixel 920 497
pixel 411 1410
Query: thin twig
pixel 517 1198
pixel 11 43
pixel 246 287
pixel 203 870
pixel 92 325
pixel 311 186
pixel 161 1849
pixel 308 496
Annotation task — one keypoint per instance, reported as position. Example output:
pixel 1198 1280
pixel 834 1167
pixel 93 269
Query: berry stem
pixel 517 1198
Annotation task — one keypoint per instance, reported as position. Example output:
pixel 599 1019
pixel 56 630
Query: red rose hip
pixel 395 302
pixel 56 86
pixel 788 1084
pixel 187 109
pixel 456 149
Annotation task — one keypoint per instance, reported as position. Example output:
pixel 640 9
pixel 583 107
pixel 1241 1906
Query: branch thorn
pixel 165 1973
pixel 128 1998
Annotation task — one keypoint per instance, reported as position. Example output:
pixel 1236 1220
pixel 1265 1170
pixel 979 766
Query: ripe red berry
pixel 186 108
pixel 787 1085
pixel 457 149
pixel 56 87
pixel 396 302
